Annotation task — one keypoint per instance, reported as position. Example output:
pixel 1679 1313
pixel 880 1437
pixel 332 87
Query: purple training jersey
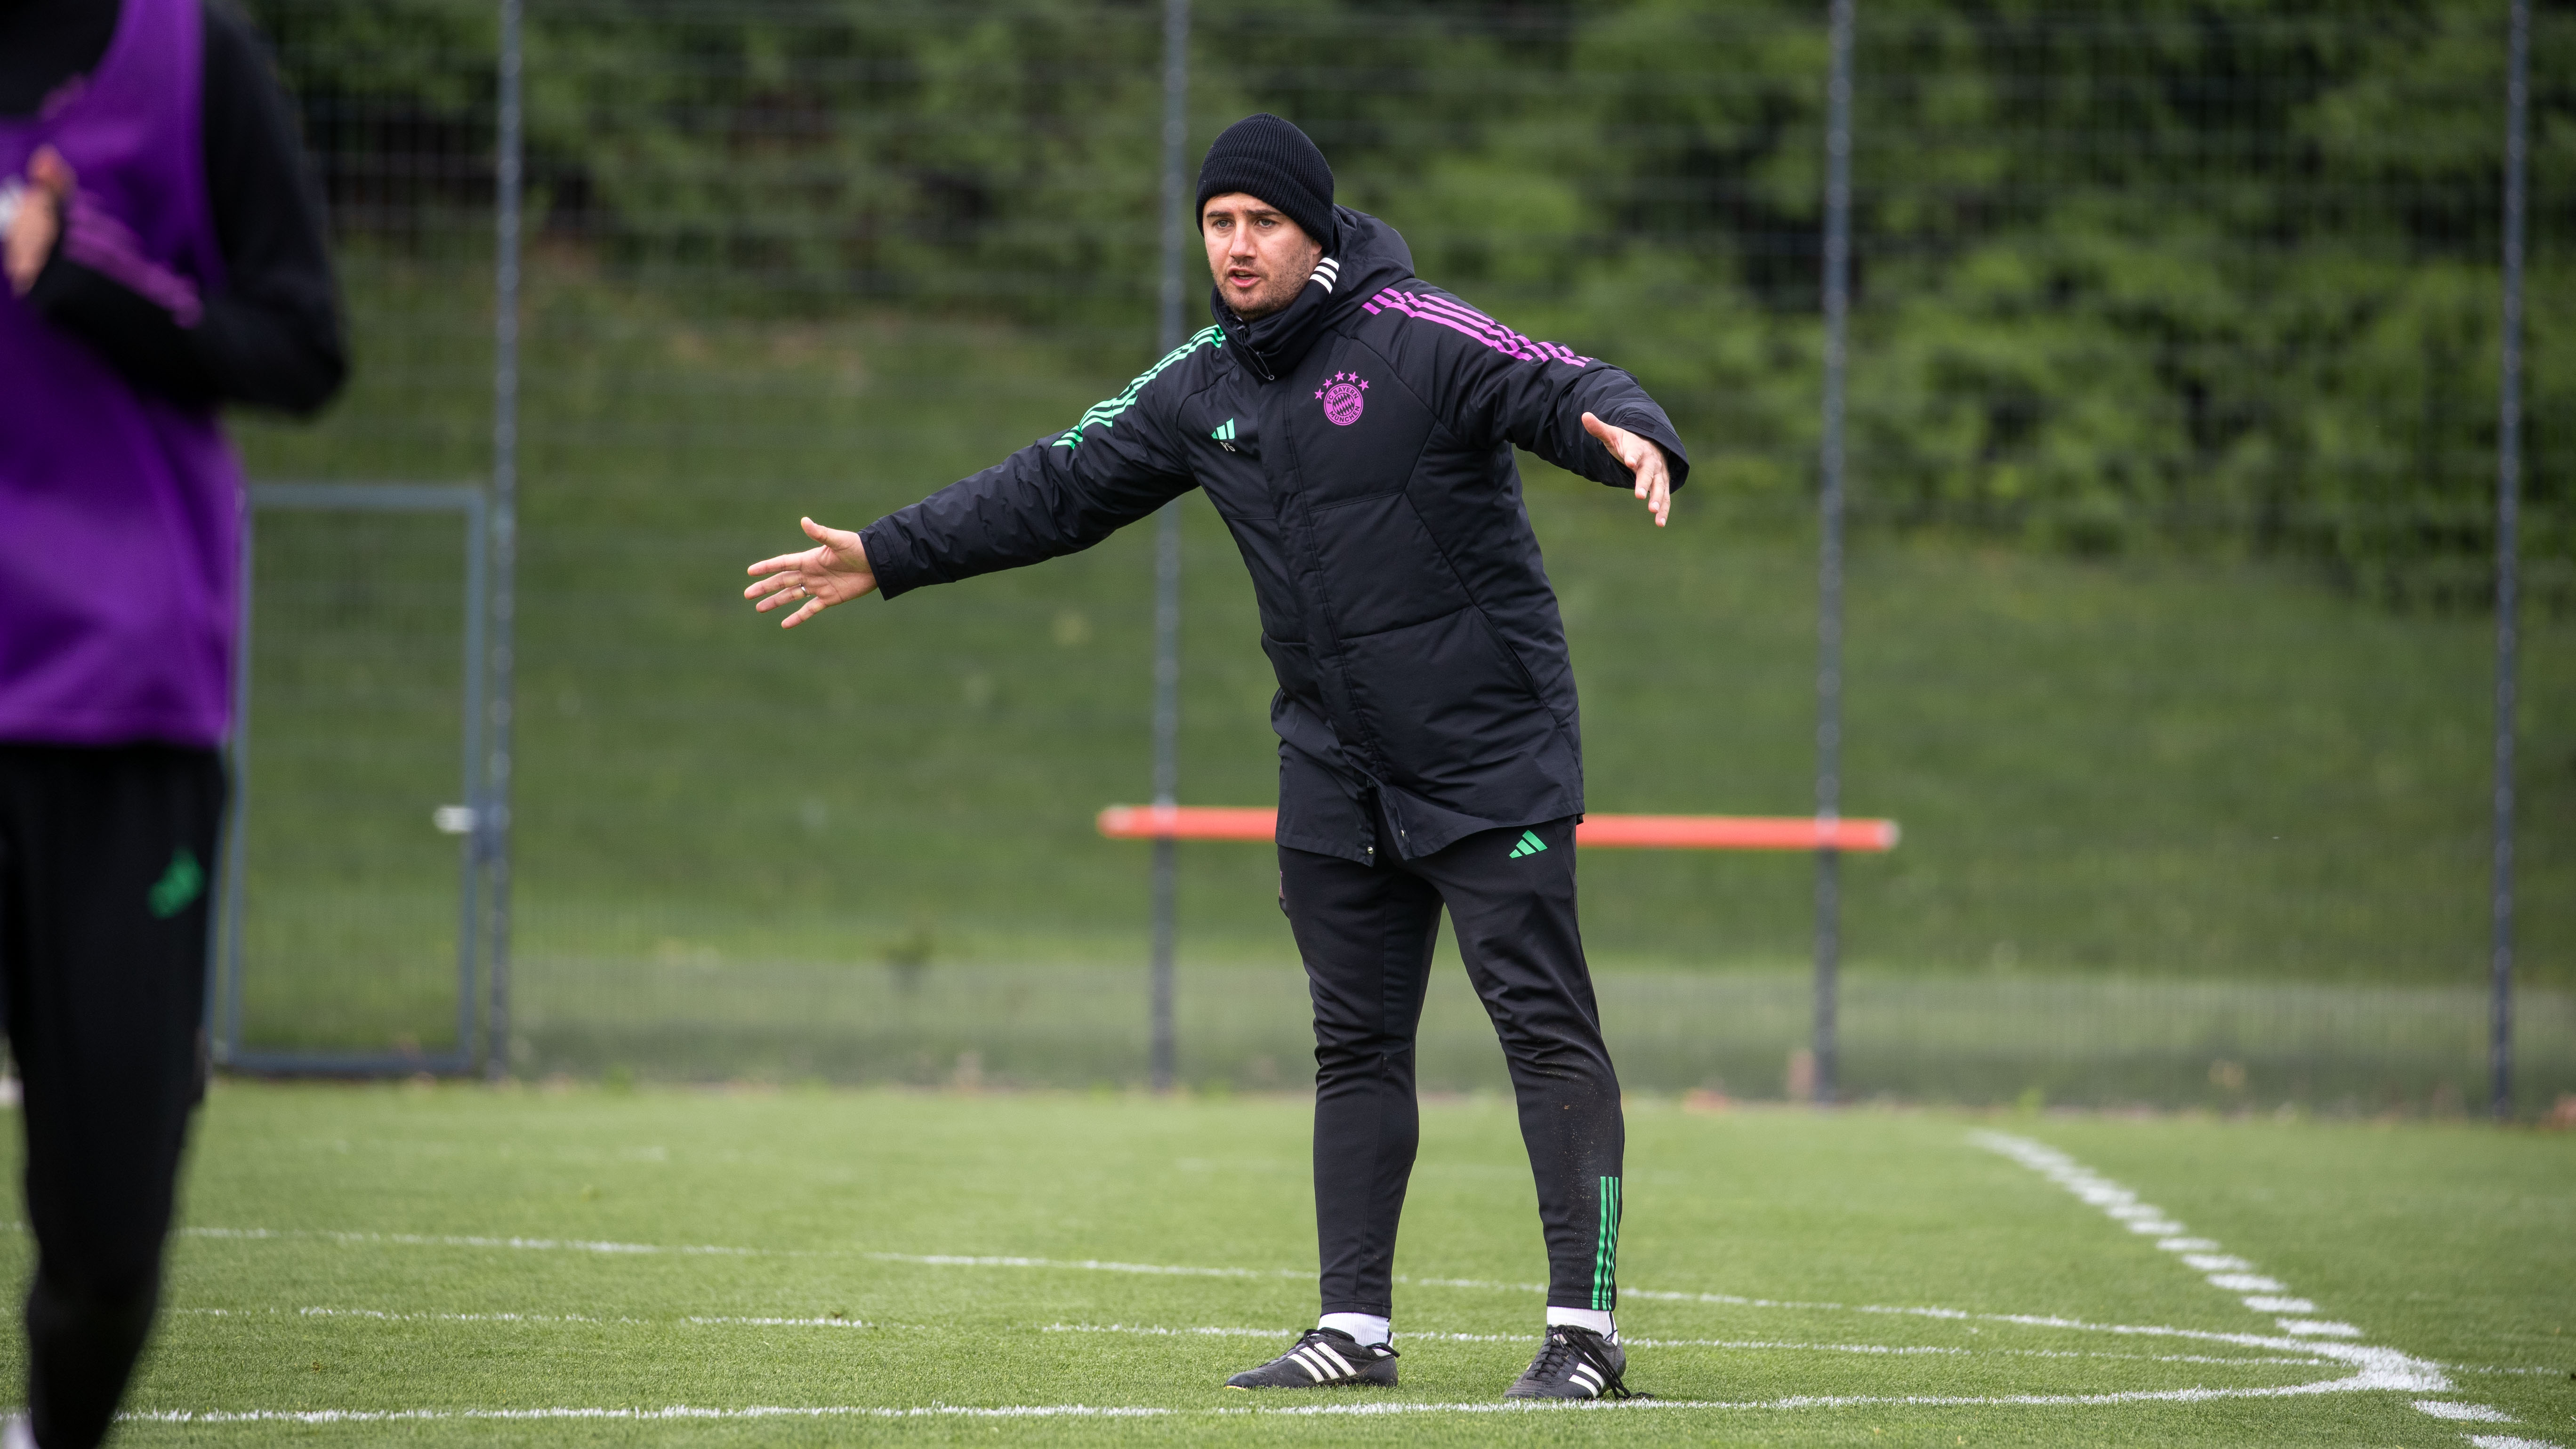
pixel 120 513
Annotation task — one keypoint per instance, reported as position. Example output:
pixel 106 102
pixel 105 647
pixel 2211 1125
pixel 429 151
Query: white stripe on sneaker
pixel 1314 1367
pixel 1328 1351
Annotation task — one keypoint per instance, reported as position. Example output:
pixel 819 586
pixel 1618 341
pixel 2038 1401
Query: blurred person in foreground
pixel 164 255
pixel 1354 427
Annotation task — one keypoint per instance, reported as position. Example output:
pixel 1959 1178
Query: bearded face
pixel 1257 256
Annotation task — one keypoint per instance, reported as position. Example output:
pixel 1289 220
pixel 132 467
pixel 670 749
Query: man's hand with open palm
pixel 834 571
pixel 1643 460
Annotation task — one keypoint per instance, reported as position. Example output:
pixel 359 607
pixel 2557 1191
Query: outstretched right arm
pixel 1057 496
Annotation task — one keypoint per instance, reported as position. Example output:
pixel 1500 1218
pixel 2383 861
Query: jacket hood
pixel 1367 256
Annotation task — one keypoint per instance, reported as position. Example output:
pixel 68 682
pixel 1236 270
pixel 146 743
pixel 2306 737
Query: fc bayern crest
pixel 1344 398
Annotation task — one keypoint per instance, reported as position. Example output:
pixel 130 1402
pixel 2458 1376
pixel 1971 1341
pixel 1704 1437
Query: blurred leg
pixel 105 876
pixel 1366 936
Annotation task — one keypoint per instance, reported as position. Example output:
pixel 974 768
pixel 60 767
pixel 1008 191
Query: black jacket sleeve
pixel 271 336
pixel 1056 496
pixel 1503 386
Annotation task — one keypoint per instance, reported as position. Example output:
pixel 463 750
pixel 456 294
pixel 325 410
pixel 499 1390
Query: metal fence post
pixel 1167 546
pixel 492 812
pixel 223 1037
pixel 1829 568
pixel 2508 561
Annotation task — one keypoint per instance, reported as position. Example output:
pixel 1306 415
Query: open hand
pixel 38 219
pixel 834 571
pixel 1642 458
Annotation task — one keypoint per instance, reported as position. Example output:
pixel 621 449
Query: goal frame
pixel 227 964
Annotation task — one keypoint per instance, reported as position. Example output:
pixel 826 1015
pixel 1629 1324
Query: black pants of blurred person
pixel 1366 933
pixel 106 872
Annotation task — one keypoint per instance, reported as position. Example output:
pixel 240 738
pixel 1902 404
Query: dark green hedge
pixel 2196 273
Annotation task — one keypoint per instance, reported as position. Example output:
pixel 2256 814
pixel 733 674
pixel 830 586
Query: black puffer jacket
pixel 1359 446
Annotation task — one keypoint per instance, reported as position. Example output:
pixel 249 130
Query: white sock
pixel 1368 1328
pixel 1591 1318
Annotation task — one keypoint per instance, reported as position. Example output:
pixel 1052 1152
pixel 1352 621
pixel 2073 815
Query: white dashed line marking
pixel 2261 1292
pixel 2472 1413
pixel 2224 1270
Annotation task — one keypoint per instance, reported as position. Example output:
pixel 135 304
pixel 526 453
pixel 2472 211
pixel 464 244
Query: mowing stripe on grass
pixel 2381 1368
pixel 2377 1369
pixel 1094 1265
pixel 812 1321
pixel 1636 1341
pixel 2197 1394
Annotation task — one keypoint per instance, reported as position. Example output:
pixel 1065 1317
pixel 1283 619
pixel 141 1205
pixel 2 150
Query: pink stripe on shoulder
pixel 1461 318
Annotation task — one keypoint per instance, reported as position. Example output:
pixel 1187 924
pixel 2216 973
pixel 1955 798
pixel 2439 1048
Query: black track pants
pixel 106 860
pixel 1366 933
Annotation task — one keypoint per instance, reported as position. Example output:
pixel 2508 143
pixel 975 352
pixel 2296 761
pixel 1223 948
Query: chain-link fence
pixel 2173 416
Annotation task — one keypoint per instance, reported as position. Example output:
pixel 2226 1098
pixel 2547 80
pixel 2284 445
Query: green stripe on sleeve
pixel 1104 414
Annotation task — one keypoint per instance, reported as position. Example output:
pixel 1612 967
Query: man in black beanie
pixel 1354 426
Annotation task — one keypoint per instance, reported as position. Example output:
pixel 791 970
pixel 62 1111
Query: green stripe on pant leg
pixel 1605 1261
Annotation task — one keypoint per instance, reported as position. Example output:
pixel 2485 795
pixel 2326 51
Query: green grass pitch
pixel 404 1264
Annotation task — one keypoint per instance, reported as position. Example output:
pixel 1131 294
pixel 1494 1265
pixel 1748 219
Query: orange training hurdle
pixel 1624 832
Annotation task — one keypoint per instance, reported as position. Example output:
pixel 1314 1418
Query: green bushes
pixel 2210 276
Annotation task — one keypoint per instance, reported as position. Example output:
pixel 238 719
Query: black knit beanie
pixel 1270 158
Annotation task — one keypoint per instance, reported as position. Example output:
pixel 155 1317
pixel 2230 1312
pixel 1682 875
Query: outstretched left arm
pixel 1580 413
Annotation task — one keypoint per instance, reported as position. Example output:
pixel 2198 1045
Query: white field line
pixel 1764 1345
pixel 2195 1395
pixel 2468 1413
pixel 674 1411
pixel 2508 1441
pixel 581 1245
pixel 1085 1265
pixel 2229 1272
pixel 388 1316
pixel 2224 1270
pixel 436 1240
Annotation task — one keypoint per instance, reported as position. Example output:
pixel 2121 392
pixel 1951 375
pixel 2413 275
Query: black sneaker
pixel 1326 1358
pixel 1575 1363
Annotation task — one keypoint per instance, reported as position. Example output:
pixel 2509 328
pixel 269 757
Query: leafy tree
pixel 2167 273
